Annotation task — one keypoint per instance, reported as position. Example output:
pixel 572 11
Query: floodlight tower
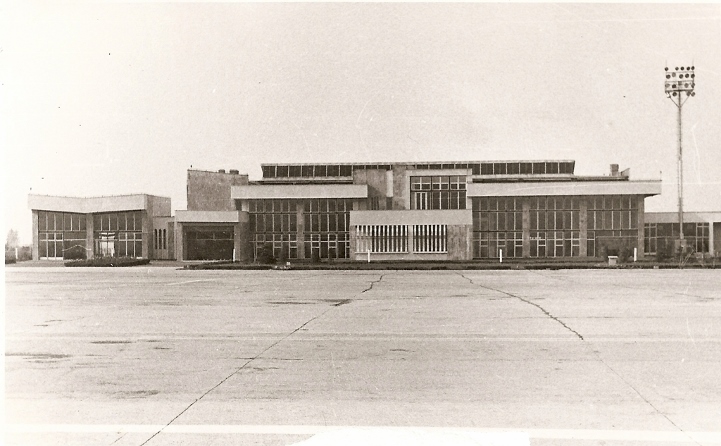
pixel 679 87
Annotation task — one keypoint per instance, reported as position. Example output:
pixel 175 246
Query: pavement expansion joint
pixel 640 395
pixel 336 303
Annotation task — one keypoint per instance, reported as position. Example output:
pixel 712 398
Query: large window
pixel 326 223
pixel 612 222
pixel 665 234
pixel 497 227
pixel 118 234
pixel 554 226
pixel 274 222
pixel 325 227
pixel 61 234
pixel 209 243
pixel 438 192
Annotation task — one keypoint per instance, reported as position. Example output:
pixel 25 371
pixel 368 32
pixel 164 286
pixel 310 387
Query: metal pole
pixel 680 175
pixel 679 81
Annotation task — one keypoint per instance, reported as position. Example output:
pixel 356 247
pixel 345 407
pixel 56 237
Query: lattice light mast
pixel 680 84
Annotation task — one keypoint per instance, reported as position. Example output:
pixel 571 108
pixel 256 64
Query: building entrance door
pixel 210 243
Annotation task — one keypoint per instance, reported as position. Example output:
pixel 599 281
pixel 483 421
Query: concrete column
pixel 710 237
pixel 526 222
pixel 179 242
pixel 90 236
pixel 36 236
pixel 237 241
pixel 300 230
pixel 469 242
pixel 147 235
pixel 401 184
pixel 351 242
pixel 583 227
pixel 641 226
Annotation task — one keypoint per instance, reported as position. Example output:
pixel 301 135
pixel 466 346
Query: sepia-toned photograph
pixel 339 224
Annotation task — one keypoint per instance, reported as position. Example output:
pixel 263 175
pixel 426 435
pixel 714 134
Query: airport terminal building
pixel 356 211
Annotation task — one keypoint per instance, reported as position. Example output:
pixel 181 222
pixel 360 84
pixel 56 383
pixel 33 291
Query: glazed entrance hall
pixel 397 211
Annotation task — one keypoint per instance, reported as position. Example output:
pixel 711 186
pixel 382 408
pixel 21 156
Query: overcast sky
pixel 106 99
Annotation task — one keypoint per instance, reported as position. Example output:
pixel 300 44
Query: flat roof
pixel 555 188
pixel 91 205
pixel 298 191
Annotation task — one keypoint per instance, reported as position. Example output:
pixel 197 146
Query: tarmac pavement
pixel 160 356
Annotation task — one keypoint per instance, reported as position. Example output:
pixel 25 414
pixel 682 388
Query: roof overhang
pixel 298 191
pixel 88 205
pixel 688 217
pixel 552 188
pixel 210 216
pixel 435 217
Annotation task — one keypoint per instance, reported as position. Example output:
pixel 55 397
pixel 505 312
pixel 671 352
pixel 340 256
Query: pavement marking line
pixel 558 434
pixel 189 281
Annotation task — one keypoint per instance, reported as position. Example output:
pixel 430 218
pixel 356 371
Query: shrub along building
pixel 390 211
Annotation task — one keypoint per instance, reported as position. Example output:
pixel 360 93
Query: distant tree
pixel 11 242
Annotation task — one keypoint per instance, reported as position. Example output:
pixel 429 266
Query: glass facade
pixel 553 225
pixel 58 232
pixel 210 243
pixel 326 224
pixel 324 229
pixel 612 222
pixel 274 222
pixel 662 234
pixel 118 234
pixel 497 225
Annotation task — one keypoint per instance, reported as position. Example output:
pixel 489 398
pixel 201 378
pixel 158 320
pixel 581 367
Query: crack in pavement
pixel 529 303
pixel 247 363
pixel 373 282
pixel 595 352
pixel 630 287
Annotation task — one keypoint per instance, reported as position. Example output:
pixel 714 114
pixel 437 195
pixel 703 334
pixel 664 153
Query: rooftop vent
pixel 614 170
pixel 234 171
pixel 221 170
